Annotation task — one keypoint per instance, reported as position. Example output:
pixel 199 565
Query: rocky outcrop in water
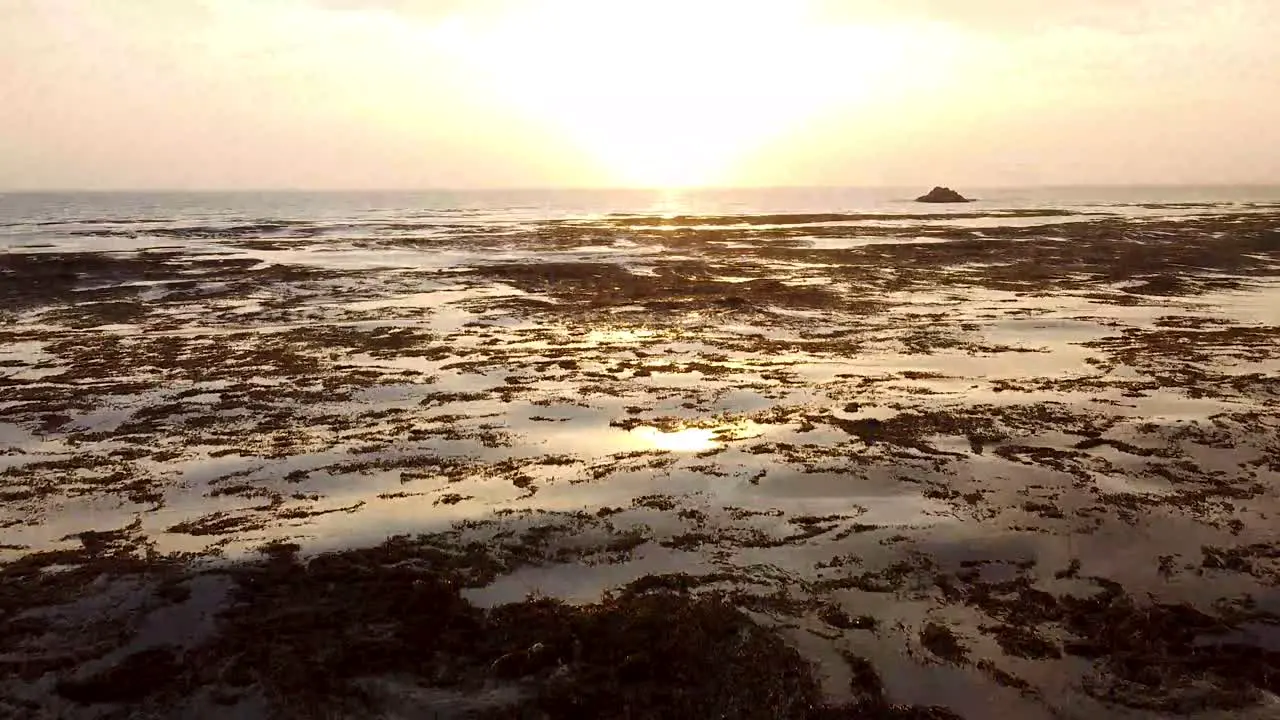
pixel 943 195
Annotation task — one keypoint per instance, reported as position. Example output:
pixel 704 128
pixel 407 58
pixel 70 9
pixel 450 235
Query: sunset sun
pixel 664 94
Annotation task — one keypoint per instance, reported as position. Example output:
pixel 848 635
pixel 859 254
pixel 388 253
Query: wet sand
pixel 1018 463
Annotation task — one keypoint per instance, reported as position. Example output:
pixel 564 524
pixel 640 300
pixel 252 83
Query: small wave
pixel 1176 205
pixel 819 218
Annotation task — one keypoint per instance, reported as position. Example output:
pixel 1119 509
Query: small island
pixel 943 195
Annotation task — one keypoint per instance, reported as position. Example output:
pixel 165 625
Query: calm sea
pixel 50 219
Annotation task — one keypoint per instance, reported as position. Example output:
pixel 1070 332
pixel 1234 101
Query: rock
pixel 128 681
pixel 943 195
pixel 941 641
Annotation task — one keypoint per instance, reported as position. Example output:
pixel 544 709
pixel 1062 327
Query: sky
pixel 364 94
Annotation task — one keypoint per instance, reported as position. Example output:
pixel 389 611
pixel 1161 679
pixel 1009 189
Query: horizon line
pixel 585 188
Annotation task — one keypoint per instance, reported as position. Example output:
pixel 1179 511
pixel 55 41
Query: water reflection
pixel 694 439
pixel 687 440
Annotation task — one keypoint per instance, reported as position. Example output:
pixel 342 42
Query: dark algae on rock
pixel 314 638
pixel 1016 462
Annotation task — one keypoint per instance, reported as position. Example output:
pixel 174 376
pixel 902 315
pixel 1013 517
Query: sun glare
pixel 694 439
pixel 686 440
pixel 664 93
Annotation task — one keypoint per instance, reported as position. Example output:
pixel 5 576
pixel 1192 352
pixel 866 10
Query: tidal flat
pixel 999 463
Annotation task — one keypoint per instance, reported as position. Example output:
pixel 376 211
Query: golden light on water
pixel 687 440
pixel 694 439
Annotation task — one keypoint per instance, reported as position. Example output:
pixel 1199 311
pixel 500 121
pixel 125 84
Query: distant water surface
pixel 31 218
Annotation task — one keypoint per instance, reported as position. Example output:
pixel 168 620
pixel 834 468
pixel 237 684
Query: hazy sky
pixel 549 93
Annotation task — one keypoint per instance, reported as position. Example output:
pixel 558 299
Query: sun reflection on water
pixel 620 335
pixel 687 440
pixel 694 439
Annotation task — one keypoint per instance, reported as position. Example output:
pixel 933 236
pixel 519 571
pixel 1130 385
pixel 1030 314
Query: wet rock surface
pixel 317 637
pixel 1015 463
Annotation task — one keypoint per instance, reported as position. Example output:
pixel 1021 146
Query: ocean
pixel 551 204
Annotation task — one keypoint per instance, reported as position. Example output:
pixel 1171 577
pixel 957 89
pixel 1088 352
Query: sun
pixel 665 93
pixel 672 143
